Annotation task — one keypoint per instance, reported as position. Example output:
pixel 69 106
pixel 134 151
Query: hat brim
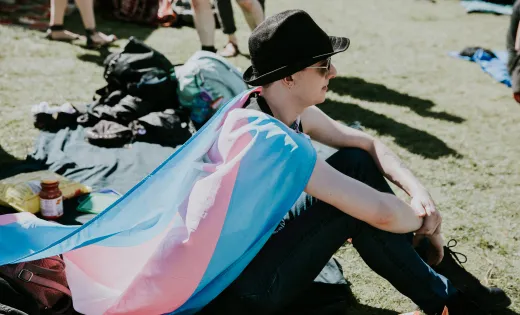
pixel 339 44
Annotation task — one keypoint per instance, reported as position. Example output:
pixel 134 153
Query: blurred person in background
pixel 56 31
pixel 205 22
pixel 253 17
pixel 513 48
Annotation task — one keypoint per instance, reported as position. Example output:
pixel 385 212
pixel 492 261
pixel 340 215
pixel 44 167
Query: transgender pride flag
pixel 186 231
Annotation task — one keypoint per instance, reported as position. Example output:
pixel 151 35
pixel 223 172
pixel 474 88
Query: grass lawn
pixel 451 123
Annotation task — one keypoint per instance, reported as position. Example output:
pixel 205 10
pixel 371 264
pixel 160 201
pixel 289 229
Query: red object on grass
pixel 516 96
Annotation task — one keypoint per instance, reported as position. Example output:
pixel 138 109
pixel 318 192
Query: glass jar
pixel 51 199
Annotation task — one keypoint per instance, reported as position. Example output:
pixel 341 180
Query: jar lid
pixel 49 180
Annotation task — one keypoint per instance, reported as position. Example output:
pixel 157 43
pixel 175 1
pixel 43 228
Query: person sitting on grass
pixel 95 39
pixel 347 196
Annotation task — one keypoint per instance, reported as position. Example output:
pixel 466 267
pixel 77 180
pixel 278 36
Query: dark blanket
pixel 67 153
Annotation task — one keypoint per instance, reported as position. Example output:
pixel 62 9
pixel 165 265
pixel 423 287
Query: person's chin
pixel 320 100
pixel 323 96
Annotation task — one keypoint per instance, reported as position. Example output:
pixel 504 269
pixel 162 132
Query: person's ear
pixel 288 81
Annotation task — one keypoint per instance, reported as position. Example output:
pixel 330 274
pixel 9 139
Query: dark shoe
pixel 486 299
pixel 460 305
pixel 230 50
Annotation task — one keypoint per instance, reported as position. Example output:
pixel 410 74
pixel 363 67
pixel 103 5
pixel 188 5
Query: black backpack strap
pixel 15 301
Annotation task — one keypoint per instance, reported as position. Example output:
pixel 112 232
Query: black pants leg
pixel 294 256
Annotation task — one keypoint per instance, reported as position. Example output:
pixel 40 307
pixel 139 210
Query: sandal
pixel 97 39
pixel 59 33
pixel 230 50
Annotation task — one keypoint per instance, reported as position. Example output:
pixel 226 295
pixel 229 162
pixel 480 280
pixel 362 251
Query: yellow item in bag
pixel 21 192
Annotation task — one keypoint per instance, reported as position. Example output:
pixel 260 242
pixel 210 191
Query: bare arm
pixel 326 130
pixel 383 211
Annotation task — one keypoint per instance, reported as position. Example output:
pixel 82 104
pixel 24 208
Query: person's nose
pixel 332 72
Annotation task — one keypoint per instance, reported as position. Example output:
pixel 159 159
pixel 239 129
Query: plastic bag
pixel 21 192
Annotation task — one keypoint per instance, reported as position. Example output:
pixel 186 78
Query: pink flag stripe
pixel 164 279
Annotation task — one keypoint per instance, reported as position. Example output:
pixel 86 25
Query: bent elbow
pixel 385 217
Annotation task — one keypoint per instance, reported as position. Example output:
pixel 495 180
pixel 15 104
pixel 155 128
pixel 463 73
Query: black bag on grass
pixel 168 128
pixel 155 92
pixel 129 65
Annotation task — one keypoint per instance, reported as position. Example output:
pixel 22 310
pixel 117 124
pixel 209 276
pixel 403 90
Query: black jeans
pixel 295 255
pixel 225 11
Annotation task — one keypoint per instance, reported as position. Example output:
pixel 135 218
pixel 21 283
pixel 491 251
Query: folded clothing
pixel 54 118
pixel 493 63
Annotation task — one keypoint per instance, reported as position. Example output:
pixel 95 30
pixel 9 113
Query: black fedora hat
pixel 286 43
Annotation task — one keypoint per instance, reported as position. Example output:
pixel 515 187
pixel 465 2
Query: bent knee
pixel 350 157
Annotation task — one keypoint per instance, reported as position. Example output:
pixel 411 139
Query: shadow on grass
pixel 98 59
pixel 414 140
pixel 6 158
pixel 375 92
pixel 123 30
pixel 8 164
pixel 11 166
pixel 107 25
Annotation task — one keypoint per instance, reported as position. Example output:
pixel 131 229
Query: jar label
pixel 52 207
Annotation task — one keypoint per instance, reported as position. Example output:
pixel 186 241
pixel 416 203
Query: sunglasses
pixel 326 66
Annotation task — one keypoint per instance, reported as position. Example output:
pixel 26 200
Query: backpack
pixel 139 81
pixel 125 69
pixel 43 280
pixel 205 82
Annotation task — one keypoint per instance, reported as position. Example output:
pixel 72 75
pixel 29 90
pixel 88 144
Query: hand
pixel 435 251
pixel 422 203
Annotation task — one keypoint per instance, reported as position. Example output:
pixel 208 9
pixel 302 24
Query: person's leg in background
pixel 94 38
pixel 254 15
pixel 56 30
pixel 204 23
pixel 253 12
pixel 225 11
pixel 86 9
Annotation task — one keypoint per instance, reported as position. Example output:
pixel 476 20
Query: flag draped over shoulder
pixel 186 231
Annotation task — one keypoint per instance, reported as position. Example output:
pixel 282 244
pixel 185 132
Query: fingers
pixel 429 226
pixel 428 209
pixel 417 239
pixel 418 208
pixel 436 253
pixel 436 256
